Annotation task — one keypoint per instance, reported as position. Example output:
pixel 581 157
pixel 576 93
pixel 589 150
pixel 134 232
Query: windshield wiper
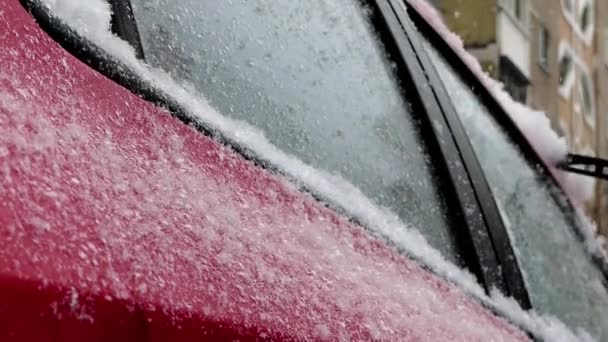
pixel 585 165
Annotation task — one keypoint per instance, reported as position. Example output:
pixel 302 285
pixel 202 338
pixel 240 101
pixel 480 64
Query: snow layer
pixel 167 232
pixel 325 184
pixel 91 18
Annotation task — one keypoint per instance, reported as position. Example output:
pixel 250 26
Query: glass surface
pixel 560 275
pixel 313 77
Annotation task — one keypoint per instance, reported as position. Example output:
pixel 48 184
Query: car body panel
pixel 118 221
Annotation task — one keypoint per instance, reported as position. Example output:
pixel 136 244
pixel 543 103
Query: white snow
pixel 92 21
pixel 550 328
pixel 91 18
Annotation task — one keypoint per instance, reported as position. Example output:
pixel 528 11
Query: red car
pixel 271 170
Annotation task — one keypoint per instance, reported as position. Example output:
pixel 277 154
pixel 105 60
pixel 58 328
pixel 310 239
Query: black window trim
pixel 405 48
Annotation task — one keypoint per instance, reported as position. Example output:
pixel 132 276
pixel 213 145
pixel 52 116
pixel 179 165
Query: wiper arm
pixel 585 165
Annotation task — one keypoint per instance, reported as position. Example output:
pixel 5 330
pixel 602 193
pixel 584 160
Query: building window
pixel 565 68
pixel 580 16
pixel 566 63
pixel 544 47
pixel 585 93
pixel 515 83
pixel 585 17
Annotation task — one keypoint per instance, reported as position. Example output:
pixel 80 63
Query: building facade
pixel 563 82
pixel 496 33
pixel 569 51
pixel 601 78
pixel 551 55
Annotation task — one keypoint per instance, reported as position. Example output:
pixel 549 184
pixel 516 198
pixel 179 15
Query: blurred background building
pixel 551 55
pixel 601 91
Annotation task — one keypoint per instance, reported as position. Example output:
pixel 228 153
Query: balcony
pixel 513 40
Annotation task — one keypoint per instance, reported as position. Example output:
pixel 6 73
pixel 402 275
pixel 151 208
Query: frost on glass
pixel 559 272
pixel 312 77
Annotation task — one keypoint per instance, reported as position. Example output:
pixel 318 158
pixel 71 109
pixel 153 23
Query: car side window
pixel 561 277
pixel 314 78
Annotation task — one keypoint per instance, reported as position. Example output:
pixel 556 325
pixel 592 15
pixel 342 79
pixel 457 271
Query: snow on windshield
pixel 91 18
pixel 95 26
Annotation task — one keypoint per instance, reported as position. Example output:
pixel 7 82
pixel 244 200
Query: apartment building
pixel 497 34
pixel 563 35
pixel 601 79
pixel 551 55
pixel 569 51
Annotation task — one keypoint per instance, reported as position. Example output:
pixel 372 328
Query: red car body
pixel 119 222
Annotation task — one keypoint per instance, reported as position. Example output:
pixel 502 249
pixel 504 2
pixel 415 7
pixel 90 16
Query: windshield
pixel 313 77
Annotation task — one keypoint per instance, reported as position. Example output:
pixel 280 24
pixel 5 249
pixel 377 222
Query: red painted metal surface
pixel 118 222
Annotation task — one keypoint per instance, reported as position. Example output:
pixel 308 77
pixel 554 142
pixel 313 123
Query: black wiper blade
pixel 585 165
